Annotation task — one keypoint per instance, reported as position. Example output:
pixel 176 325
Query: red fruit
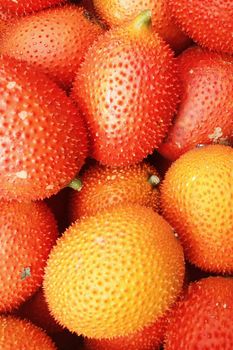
pixel 205 113
pixel 28 232
pixel 149 338
pixel 42 137
pixel 203 319
pixel 36 310
pixel 127 88
pixel 208 22
pixel 58 43
pixel 23 7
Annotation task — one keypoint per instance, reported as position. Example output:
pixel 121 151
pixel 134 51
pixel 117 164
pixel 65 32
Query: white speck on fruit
pixel 49 187
pixel 22 174
pixel 23 115
pixel 100 240
pixel 11 85
pixel 224 306
pixel 216 134
pixel 191 71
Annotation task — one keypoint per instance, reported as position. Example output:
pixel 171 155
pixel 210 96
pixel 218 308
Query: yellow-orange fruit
pixel 114 273
pixel 104 187
pixel 117 12
pixel 27 233
pixel 196 198
pixel 16 334
pixel 54 40
pixel 36 310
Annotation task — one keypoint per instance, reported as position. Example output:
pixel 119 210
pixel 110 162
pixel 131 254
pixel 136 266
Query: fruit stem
pixel 154 180
pixel 75 184
pixel 142 21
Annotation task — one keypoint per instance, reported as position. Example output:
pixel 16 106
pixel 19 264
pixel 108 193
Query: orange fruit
pixel 196 199
pixel 54 40
pixel 114 273
pixel 149 338
pixel 28 232
pixel 128 90
pixel 205 111
pixel 103 187
pixel 36 310
pixel 24 7
pixel 203 318
pixel 209 23
pixel 117 12
pixel 16 334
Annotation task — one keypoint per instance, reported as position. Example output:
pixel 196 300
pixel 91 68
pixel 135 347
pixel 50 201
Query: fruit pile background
pixel 116 175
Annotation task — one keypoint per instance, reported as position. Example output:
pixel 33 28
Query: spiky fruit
pixel 149 338
pixel 114 273
pixel 36 310
pixel 207 22
pixel 127 88
pixel 116 12
pixel 24 7
pixel 42 137
pixel 205 111
pixel 196 198
pixel 28 232
pixel 58 43
pixel 104 187
pixel 203 318
pixel 22 335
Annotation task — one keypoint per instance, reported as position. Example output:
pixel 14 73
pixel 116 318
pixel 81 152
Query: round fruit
pixel 207 22
pixel 58 43
pixel 116 12
pixel 28 232
pixel 24 7
pixel 113 273
pixel 42 136
pixel 196 199
pixel 22 335
pixel 104 187
pixel 36 310
pixel 127 88
pixel 206 109
pixel 149 338
pixel 203 318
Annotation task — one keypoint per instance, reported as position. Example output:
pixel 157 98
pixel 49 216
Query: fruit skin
pixel 203 318
pixel 22 335
pixel 28 232
pixel 205 111
pixel 116 12
pixel 24 7
pixel 128 90
pixel 114 273
pixel 43 138
pixel 149 338
pixel 196 199
pixel 207 22
pixel 104 187
pixel 36 310
pixel 58 44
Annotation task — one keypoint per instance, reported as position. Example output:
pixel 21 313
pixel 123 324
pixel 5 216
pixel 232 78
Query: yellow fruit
pixel 114 273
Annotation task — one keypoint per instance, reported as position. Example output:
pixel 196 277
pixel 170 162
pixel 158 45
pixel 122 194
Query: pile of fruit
pixel 116 175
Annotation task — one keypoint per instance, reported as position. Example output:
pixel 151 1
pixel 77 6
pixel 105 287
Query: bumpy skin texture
pixel 196 198
pixel 28 232
pixel 42 136
pixel 58 43
pixel 127 88
pixel 117 12
pixel 208 22
pixel 22 335
pixel 149 338
pixel 24 7
pixel 203 319
pixel 36 310
pixel 205 113
pixel 114 273
pixel 104 187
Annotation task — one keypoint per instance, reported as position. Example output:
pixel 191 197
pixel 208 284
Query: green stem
pixel 154 180
pixel 76 184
